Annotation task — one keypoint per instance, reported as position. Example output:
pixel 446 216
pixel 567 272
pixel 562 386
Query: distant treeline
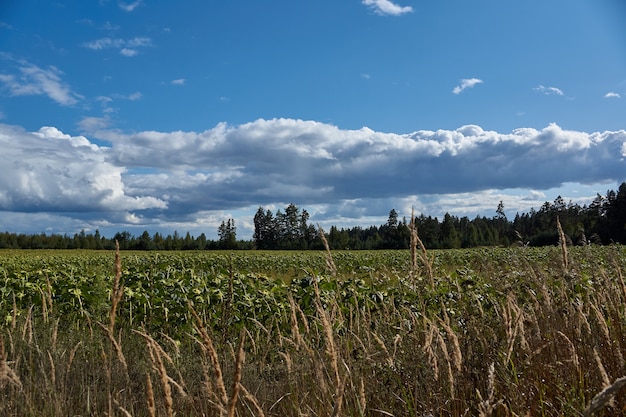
pixel 603 221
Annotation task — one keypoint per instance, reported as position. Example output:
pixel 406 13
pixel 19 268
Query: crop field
pixel 481 332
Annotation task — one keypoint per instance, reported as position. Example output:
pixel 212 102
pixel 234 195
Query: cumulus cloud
pixel 179 81
pixel 612 95
pixel 174 176
pixel 549 91
pixel 466 83
pixel 27 79
pixel 49 171
pixel 386 7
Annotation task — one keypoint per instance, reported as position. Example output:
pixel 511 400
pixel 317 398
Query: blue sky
pixel 162 116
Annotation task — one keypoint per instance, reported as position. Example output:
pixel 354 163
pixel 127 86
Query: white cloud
pixel 535 195
pixel 612 95
pixel 156 178
pixel 29 79
pixel 466 83
pixel 265 158
pixel 127 47
pixel 549 90
pixel 179 81
pixel 129 7
pixel 50 171
pixel 104 43
pixel 135 96
pixel 386 7
pixel 128 52
pixel 110 27
pixel 94 124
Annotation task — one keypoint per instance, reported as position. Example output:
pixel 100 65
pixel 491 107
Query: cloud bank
pixel 176 176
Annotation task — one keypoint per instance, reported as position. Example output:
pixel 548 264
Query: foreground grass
pixel 503 332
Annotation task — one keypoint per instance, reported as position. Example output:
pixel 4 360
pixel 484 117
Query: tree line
pixel 603 221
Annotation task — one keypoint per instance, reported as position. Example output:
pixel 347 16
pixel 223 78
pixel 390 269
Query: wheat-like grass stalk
pixel 116 345
pixel 563 244
pixel 513 316
pixel 457 356
pixel 572 349
pixel 362 397
pixel 150 396
pixel 27 329
pixel 6 373
pixel 295 329
pixel 582 319
pixel 428 347
pixel 601 323
pixel 339 397
pixel 605 376
pixel 232 402
pixel 159 366
pixel 380 343
pixel 157 354
pixel 118 288
pixel 248 396
pixel 54 335
pixel 209 348
pixel 414 238
pixel 620 279
pixel 486 406
pixel 122 409
pixel 331 349
pixel 71 356
pixel 53 371
pixel 605 397
pixel 428 263
pixel 449 361
pixel 330 263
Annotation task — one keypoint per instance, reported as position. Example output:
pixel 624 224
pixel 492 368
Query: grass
pixel 485 332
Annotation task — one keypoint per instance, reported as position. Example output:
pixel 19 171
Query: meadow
pixel 479 332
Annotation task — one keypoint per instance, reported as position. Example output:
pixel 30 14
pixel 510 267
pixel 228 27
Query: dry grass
pixel 426 260
pixel 508 339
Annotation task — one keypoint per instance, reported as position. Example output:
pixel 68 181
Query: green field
pixel 493 331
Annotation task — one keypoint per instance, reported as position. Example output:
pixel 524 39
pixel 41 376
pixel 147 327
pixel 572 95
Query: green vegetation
pixel 499 331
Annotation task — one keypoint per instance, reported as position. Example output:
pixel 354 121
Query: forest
pixel 603 221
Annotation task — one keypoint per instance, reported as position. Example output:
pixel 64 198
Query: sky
pixel 175 116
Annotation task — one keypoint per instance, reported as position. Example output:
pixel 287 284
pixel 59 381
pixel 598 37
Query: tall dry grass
pixel 508 338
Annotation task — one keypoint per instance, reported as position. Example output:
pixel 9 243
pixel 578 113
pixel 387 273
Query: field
pixel 492 331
